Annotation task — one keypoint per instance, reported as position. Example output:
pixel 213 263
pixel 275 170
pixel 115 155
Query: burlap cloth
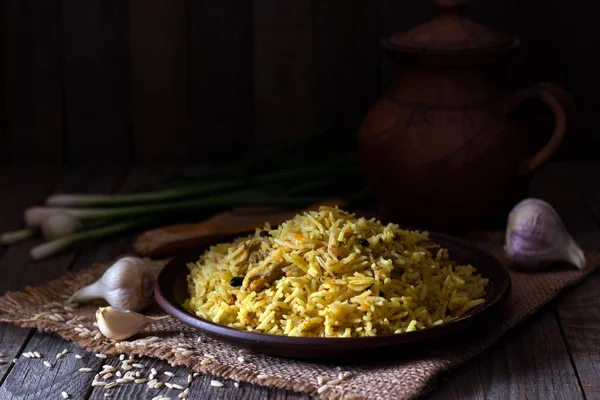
pixel 408 376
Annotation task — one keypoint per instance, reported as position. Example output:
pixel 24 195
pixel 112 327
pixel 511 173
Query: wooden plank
pixel 556 185
pixel 567 188
pixel 346 52
pixel 32 83
pixel 12 342
pixel 286 94
pixel 579 310
pixel 158 81
pixel 35 273
pixel 28 187
pixel 32 273
pixel 96 71
pixel 580 23
pixel 532 362
pixel 14 76
pixel 221 96
pixel 31 379
pixel 199 389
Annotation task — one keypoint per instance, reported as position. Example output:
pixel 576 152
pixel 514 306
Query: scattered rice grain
pixel 85 370
pixel 78 356
pixel 190 379
pixel 141 380
pixel 153 371
pixel 138 365
pixel 65 395
pixel 323 388
pixel 111 385
pixel 206 361
pixel 168 373
pixel 38 354
pixel 187 353
pixel 236 384
pixel 178 387
pixel 184 394
pixel 47 364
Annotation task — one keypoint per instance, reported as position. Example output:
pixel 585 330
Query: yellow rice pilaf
pixel 329 273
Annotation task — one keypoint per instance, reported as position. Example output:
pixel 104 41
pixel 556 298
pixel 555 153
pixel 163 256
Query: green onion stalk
pixel 309 174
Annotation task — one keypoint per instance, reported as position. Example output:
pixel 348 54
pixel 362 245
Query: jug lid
pixel 450 32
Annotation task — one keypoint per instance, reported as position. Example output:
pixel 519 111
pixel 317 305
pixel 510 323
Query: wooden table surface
pixel 554 355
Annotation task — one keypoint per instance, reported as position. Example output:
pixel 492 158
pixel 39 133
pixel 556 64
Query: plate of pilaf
pixel 327 283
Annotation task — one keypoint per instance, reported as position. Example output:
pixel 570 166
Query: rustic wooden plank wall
pixel 156 81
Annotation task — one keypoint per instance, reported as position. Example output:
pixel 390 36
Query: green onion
pixel 95 200
pixel 57 245
pixel 17 236
pixel 241 198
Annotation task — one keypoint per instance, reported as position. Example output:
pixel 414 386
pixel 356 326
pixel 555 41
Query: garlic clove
pixel 128 284
pixel 118 324
pixel 537 237
pixel 574 254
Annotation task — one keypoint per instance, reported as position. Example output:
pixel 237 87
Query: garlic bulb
pixel 128 284
pixel 536 237
pixel 118 324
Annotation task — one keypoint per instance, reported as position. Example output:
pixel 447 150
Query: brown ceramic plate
pixel 171 292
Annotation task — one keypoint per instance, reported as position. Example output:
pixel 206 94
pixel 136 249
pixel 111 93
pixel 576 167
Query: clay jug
pixel 440 148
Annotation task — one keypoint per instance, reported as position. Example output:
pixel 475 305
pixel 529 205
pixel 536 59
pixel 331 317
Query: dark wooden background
pixel 153 81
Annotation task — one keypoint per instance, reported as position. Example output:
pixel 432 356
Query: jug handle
pixel 547 94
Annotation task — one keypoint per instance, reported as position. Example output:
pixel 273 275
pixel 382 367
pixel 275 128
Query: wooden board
pixel 532 361
pixel 220 79
pixel 32 131
pixel 96 77
pixel 158 81
pixel 23 195
pixel 579 311
pixel 285 80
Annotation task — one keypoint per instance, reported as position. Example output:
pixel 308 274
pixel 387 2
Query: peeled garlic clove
pixel 536 237
pixel 128 284
pixel 118 324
